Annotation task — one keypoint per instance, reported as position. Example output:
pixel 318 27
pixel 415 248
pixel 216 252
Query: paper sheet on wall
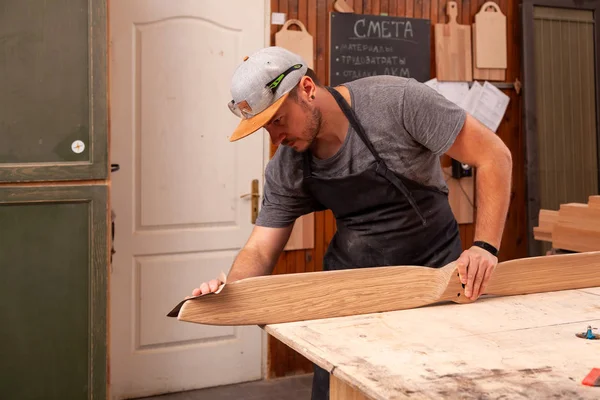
pixel 485 102
pixel 453 91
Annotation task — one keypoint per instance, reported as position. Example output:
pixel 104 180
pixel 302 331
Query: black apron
pixel 382 219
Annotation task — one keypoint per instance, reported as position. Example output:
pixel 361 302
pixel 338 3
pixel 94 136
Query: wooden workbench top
pixel 503 347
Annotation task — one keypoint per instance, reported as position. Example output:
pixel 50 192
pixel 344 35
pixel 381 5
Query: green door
pixel 53 291
pixel 53 103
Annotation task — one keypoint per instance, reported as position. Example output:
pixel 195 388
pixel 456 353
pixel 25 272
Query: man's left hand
pixel 475 266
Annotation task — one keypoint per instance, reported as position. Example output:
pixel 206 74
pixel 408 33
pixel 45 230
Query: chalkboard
pixel 367 45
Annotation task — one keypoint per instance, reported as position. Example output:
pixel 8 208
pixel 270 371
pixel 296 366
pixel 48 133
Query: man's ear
pixel 307 87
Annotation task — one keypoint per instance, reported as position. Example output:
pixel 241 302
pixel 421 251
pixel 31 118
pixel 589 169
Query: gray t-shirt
pixel 409 124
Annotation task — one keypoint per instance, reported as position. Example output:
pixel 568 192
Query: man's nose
pixel 277 136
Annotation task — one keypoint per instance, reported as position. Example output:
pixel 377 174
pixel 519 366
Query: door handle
pixel 254 200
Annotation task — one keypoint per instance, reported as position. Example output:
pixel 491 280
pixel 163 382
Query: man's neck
pixel 334 128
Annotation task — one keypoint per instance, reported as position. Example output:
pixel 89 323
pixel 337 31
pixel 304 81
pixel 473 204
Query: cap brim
pixel 251 125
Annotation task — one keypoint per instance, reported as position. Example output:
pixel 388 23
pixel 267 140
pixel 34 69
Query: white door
pixel 180 218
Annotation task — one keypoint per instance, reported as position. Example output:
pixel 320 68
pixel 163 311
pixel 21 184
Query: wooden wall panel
pixel 315 16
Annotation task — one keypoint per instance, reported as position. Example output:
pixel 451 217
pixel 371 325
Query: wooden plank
pixel 320 247
pixel 330 228
pixel 426 5
pixel 322 34
pixel 409 7
pixel 328 294
pixel 402 10
pixel 375 7
pixel 575 227
pixel 499 347
pixel 433 17
pixel 303 234
pixel 575 239
pixel 547 220
pixel 340 390
pixel 312 26
pixel 303 12
pixel 594 201
pixel 467 234
pixel 384 7
pixel 292 9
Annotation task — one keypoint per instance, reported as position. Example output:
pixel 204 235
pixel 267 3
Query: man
pixel 369 151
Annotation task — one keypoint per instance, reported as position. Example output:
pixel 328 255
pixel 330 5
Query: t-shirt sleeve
pixel 284 199
pixel 430 118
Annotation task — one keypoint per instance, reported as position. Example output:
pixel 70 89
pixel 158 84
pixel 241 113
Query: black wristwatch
pixel 486 246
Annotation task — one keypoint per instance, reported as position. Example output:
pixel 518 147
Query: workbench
pixel 509 347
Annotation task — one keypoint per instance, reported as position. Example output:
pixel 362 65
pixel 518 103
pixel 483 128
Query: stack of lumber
pixel 575 226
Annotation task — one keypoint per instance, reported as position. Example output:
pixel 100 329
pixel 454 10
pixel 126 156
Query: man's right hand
pixel 257 257
pixel 206 287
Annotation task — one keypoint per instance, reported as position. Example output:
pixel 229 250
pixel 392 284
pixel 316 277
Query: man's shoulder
pixel 378 82
pixel 386 90
pixel 283 167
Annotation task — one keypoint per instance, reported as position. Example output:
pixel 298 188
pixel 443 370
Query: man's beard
pixel 312 129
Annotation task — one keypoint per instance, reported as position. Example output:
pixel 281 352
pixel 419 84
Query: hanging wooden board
pixel 485 74
pixel 490 33
pixel 328 294
pixel 342 6
pixel 453 57
pixel 299 42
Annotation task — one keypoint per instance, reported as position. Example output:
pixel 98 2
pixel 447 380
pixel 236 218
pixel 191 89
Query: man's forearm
pixel 261 252
pixel 493 198
pixel 249 262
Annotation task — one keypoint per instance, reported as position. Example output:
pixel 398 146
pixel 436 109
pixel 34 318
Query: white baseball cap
pixel 260 85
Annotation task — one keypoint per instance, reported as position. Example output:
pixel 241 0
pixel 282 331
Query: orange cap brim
pixel 251 125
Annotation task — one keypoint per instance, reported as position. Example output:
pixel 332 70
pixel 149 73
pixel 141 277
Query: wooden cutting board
pixel 453 57
pixel 490 37
pixel 299 42
pixel 486 74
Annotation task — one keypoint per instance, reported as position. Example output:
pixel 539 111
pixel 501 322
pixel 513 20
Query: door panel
pixel 174 113
pixel 562 93
pixel 53 117
pixel 180 215
pixel 53 247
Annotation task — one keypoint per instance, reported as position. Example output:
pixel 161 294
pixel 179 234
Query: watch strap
pixel 486 246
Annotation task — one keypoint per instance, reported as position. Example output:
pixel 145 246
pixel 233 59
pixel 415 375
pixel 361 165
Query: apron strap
pixel 382 168
pixel 306 159
pixel 354 122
